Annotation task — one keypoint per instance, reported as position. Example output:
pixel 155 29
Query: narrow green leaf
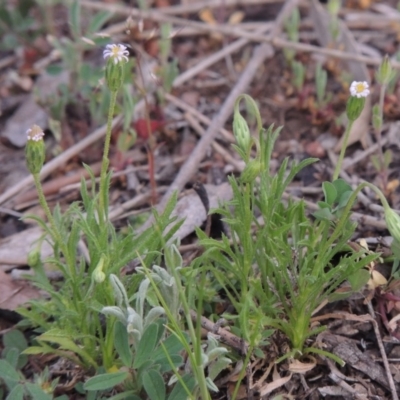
pixel 36 392
pixel 154 384
pixel 11 354
pixel 180 391
pixel 57 336
pixel 341 187
pixel 15 338
pixel 75 19
pixel 146 345
pixel 105 381
pixel 121 343
pixel 17 393
pixel 98 21
pixel 329 192
pixel 7 372
pixel 129 395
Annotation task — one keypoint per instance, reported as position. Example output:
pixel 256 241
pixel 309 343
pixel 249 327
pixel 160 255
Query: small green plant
pixel 334 9
pixel 205 362
pixel 292 25
pixel 12 362
pixel 321 79
pixel 299 75
pixel 279 265
pixel 77 330
pixel 16 24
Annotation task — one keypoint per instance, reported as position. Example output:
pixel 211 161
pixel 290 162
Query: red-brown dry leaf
pixel 15 293
pixel 141 127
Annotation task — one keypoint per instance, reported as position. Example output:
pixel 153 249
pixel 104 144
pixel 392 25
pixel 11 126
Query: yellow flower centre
pixel 360 87
pixel 115 51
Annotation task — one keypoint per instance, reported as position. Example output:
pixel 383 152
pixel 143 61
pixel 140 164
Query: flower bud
pixel 241 131
pixel 98 275
pixel 34 257
pixel 393 223
pixel 251 171
pixel 35 151
pixel 384 73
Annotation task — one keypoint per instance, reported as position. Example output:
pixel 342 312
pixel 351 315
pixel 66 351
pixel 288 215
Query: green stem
pixel 342 151
pixel 379 128
pixel 103 213
pixel 56 234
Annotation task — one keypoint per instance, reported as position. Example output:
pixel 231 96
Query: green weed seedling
pixel 292 25
pixel 16 24
pixel 299 75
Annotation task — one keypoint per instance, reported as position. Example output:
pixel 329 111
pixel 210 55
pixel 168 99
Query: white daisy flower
pixel 35 133
pixel 359 89
pixel 117 52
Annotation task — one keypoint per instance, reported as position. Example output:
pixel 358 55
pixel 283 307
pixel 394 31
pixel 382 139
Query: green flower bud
pixel 35 151
pixel 34 258
pixel 98 275
pixel 393 223
pixel 384 73
pixel 354 107
pixel 251 171
pixel 334 7
pixel 241 131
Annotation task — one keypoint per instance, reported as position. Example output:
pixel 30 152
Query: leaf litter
pixel 363 374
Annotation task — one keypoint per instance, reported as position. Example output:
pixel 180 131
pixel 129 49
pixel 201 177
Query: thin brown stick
pixel 383 353
pixel 197 114
pixel 214 58
pixel 192 7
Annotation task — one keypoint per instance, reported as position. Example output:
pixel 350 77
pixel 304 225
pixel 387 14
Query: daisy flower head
pixel 35 133
pixel 35 151
pixel 359 89
pixel 116 52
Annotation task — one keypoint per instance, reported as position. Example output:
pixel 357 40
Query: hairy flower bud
pixel 98 275
pixel 35 151
pixel 34 257
pixel 241 131
pixel 251 171
pixel 384 73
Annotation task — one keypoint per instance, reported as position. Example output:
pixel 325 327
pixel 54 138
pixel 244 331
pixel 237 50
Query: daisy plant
pixel 276 265
pixel 355 104
pixel 70 322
